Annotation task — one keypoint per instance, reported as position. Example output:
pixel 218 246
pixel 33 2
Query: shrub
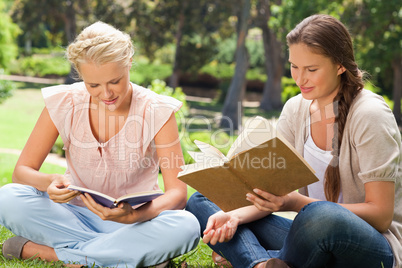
pixel 143 73
pixel 160 87
pixel 289 88
pixel 6 88
pixel 41 65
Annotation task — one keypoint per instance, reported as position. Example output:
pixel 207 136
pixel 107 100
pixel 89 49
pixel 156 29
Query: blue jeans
pixel 323 234
pixel 80 236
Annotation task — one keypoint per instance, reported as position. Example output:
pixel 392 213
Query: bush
pixel 160 87
pixel 6 88
pixel 41 65
pixel 289 88
pixel 143 73
pixel 219 70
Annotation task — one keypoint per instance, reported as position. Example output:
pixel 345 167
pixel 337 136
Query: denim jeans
pixel 323 234
pixel 80 236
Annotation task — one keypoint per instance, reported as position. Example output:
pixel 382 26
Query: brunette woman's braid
pixel 327 36
pixel 351 84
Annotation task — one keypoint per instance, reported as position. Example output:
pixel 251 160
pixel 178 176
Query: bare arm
pixel 378 207
pixel 31 159
pixel 34 153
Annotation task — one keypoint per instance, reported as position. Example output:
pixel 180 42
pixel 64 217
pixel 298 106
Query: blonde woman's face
pixel 316 75
pixel 108 84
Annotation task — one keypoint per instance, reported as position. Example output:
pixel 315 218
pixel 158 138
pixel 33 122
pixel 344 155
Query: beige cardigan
pixel 370 151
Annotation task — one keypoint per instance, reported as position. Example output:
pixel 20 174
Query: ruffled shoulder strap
pixel 155 110
pixel 60 102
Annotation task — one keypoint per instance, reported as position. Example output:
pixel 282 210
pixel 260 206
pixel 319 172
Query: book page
pixel 100 198
pixel 257 131
pixel 210 163
pixel 108 201
pixel 139 197
pixel 209 150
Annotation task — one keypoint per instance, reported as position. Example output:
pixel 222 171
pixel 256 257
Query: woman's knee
pixel 184 228
pixel 15 197
pixel 189 225
pixel 319 219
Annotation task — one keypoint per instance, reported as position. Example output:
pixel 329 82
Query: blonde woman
pixel 117 135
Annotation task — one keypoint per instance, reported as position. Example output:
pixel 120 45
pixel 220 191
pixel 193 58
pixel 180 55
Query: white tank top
pixel 319 161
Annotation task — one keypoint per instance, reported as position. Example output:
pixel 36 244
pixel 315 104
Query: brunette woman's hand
pixel 57 190
pixel 273 203
pixel 221 227
pixel 123 213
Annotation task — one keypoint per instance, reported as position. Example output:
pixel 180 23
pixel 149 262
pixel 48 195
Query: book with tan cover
pixel 259 158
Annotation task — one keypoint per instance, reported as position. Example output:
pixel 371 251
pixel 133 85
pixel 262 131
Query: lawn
pixel 18 115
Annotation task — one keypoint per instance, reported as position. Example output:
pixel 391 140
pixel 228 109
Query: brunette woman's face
pixel 108 84
pixel 316 75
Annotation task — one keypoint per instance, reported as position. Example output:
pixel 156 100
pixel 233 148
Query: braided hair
pixel 100 43
pixel 327 36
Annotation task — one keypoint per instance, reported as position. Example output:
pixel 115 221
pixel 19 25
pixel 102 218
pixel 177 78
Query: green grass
pixel 7 164
pixel 18 116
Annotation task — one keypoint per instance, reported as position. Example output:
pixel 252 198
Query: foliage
pixel 221 71
pixel 55 21
pixel 6 88
pixel 290 89
pixel 161 88
pixel 226 50
pixel 41 65
pixel 154 27
pixel 377 28
pixel 143 73
pixel 198 44
pixel 8 34
pixel 195 52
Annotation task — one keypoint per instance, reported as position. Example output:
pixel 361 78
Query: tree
pixel 54 15
pixel 274 59
pixel 174 78
pixel 8 48
pixel 232 108
pixel 8 34
pixel 376 26
pixel 159 23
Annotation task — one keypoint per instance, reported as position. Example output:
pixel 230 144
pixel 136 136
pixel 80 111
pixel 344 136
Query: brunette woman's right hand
pixel 58 191
pixel 221 227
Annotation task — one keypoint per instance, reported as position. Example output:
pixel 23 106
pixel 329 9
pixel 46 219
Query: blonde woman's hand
pixel 58 191
pixel 221 227
pixel 123 213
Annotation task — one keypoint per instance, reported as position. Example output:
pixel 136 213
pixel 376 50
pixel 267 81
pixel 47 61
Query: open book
pixel 108 201
pixel 259 158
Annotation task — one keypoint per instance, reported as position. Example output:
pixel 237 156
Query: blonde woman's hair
pixel 100 43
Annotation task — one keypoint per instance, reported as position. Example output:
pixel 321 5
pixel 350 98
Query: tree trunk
pixel 174 78
pixel 70 27
pixel 232 108
pixel 397 90
pixel 274 62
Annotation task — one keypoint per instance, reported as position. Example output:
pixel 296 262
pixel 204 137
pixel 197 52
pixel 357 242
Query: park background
pixel 226 60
